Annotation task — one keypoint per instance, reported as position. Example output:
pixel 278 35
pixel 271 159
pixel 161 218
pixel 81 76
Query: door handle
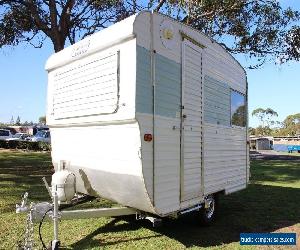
pixel 184 116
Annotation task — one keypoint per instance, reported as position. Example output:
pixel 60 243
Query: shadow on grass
pixel 259 208
pixel 21 172
pixel 111 227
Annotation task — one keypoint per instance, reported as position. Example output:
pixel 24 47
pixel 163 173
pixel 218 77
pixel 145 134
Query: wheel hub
pixel 209 206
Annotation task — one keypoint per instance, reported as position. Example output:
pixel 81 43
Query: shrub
pixel 26 145
pixel 3 144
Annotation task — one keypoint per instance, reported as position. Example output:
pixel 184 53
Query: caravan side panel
pixel 158 111
pixel 225 146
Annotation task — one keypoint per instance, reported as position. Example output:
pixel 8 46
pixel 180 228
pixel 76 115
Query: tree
pixel 42 120
pixel 25 123
pixel 251 131
pixel 266 122
pixel 18 121
pixel 291 125
pixel 260 29
pixel 265 116
pixel 35 20
pixel 263 131
pixel 257 28
pixel 12 122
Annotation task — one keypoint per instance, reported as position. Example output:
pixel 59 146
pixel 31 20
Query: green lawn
pixel 270 203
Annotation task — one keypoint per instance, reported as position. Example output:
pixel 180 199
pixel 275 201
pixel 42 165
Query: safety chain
pixel 28 240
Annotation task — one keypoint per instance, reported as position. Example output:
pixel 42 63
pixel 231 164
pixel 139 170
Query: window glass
pixel 238 109
pixel 4 133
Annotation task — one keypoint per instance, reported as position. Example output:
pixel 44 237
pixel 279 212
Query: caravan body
pixel 149 113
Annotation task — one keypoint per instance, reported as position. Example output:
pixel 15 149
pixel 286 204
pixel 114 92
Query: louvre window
pixel 87 87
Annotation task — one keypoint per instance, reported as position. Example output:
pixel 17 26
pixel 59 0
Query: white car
pixel 42 135
pixel 5 134
pixel 18 137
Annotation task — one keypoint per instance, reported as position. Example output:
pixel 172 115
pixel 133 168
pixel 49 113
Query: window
pixel 238 109
pixel 87 87
pixel 4 133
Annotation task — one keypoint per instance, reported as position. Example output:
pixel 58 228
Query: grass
pixel 270 203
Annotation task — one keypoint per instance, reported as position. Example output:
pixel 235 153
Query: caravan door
pixel 191 127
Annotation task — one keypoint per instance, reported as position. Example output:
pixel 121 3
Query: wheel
pixel 208 211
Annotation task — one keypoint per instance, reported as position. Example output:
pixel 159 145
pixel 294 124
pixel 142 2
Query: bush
pixel 26 145
pixel 3 144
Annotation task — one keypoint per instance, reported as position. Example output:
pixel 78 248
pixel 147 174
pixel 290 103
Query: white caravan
pixel 151 114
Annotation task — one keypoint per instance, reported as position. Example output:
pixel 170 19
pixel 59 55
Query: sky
pixel 23 83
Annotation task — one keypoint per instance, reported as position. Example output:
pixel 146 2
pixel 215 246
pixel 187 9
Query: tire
pixel 208 215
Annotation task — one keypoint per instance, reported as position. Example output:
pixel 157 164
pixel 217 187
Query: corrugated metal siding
pixel 192 124
pixel 144 93
pixel 225 160
pixel 168 87
pixel 87 87
pixel 144 113
pixel 280 147
pixel 167 164
pixel 222 68
pixel 216 102
pixel 167 140
pixel 218 63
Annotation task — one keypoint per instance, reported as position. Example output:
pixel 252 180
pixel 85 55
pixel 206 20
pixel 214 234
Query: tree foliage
pixel 289 127
pixel 238 117
pixel 66 20
pixel 265 116
pixel 258 28
pixel 18 121
pixel 12 122
pixel 42 120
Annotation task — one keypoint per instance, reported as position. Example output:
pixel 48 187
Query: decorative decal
pixel 167 34
pixel 81 48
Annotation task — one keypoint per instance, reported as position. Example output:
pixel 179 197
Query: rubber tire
pixel 203 218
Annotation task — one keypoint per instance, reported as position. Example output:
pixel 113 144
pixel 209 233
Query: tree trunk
pixel 58 43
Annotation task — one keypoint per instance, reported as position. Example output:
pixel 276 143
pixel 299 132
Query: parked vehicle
pixel 42 136
pixel 149 113
pixel 161 113
pixel 18 137
pixel 5 134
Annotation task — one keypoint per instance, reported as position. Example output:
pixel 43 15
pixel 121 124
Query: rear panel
pixel 91 115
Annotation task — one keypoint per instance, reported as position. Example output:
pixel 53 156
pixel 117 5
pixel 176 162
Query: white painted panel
pixel 95 94
pixel 167 164
pixel 109 156
pixel 141 28
pixel 225 159
pixel 146 127
pixel 191 121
